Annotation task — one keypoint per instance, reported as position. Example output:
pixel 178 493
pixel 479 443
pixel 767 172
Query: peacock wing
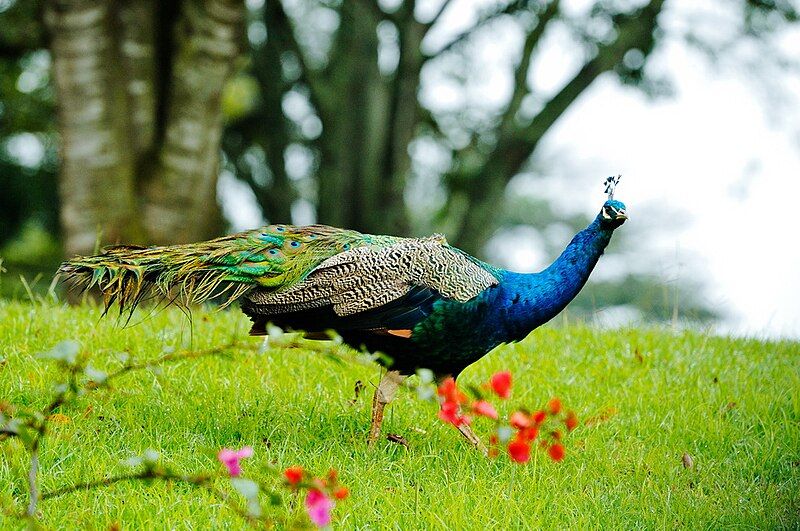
pixel 368 277
pixel 279 256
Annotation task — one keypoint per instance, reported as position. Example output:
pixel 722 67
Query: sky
pixel 712 173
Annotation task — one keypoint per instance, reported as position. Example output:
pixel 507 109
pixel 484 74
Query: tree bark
pixel 352 147
pixel 391 217
pixel 97 174
pixel 180 200
pixel 136 23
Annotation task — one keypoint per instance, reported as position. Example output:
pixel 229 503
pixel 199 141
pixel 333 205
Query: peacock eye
pixel 294 244
pixel 273 252
pixel 346 247
pixel 280 229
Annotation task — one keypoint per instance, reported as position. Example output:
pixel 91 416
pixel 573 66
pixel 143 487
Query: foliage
pixel 27 116
pixel 78 378
pixel 645 398
pixel 378 115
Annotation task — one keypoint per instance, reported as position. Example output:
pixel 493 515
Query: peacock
pixel 420 301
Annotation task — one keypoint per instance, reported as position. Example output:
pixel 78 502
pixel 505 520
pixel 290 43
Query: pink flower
pixel 319 506
pixel 230 458
pixel 484 408
pixel 501 384
pixel 519 420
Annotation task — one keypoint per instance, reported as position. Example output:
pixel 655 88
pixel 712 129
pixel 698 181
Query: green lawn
pixel 733 405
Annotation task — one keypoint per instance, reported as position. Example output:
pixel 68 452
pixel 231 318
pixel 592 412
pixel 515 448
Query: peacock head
pixel 612 214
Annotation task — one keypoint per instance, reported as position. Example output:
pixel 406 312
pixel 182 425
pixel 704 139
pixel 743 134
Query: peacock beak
pixel 621 214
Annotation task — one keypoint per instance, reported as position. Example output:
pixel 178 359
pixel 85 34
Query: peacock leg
pixel 384 394
pixel 467 432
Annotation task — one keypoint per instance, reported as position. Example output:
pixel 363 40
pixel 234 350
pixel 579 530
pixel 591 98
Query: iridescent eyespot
pixel 280 229
pixel 294 244
pixel 346 247
pixel 273 252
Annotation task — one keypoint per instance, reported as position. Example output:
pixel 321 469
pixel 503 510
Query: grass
pixel 733 405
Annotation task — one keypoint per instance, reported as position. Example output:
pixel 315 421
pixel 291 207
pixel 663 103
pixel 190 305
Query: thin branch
pixel 521 88
pixel 85 485
pixel 33 486
pixel 466 34
pixel 275 17
pixel 198 480
pixel 168 358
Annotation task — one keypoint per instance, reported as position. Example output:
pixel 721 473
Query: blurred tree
pixel 340 114
pixel 138 86
pixel 28 183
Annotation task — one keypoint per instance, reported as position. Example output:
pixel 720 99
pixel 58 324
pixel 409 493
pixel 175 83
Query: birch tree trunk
pixel 180 199
pixel 138 89
pixel 97 173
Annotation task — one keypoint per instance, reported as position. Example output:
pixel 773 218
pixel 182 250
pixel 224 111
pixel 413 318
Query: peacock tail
pixel 269 258
pixel 283 268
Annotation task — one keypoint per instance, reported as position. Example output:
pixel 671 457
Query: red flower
pixel 556 452
pixel 449 413
pixel 571 421
pixel 341 493
pixel 554 406
pixel 501 384
pixel 528 434
pixel 539 417
pixel 484 408
pixel 450 393
pixel 520 451
pixel 333 476
pixel 293 474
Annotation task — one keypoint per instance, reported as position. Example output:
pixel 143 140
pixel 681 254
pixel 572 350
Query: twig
pixel 85 485
pixel 198 480
pixel 33 486
pixel 169 357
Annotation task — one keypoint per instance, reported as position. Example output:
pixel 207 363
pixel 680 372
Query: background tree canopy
pixel 369 115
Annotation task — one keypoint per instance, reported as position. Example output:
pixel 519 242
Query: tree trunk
pixel 139 116
pixel 180 200
pixel 97 173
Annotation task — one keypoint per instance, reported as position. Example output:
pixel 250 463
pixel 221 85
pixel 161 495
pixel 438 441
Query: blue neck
pixel 531 300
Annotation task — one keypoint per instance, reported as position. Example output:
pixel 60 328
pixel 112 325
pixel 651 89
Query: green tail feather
pixel 270 258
